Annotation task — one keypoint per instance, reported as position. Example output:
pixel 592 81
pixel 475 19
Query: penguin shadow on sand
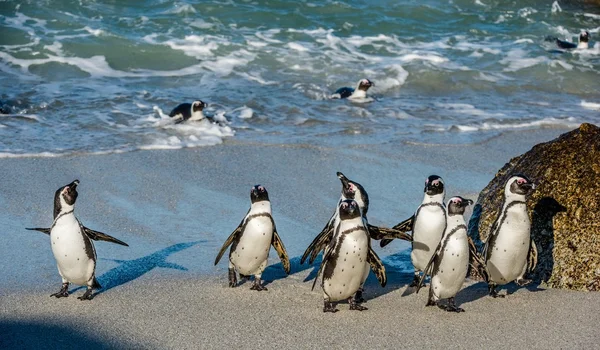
pixel 129 270
pixel 542 232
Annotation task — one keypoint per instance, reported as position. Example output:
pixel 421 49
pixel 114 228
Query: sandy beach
pixel 175 209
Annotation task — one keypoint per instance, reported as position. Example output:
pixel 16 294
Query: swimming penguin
pixel 251 240
pixel 348 259
pixel 427 225
pixel 584 38
pixel 358 93
pixel 508 250
pixel 450 262
pixel 189 111
pixel 71 244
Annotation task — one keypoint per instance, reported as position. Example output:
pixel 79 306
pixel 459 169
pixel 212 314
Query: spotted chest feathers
pixel 250 253
pixel 508 248
pixel 347 267
pixel 452 262
pixel 429 225
pixel 73 250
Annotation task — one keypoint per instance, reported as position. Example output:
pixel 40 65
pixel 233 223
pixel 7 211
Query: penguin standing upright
pixel 427 224
pixel 347 259
pixel 251 240
pixel 450 262
pixel 508 249
pixel 71 244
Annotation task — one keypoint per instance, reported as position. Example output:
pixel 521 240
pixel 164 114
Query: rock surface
pixel 564 207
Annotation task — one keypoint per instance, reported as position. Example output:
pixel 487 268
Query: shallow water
pixel 92 77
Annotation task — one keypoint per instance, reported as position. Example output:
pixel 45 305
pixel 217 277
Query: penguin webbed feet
pixel 415 282
pixel 355 305
pixel 451 307
pixel 493 293
pixel 232 278
pixel 88 295
pixel 521 282
pixel 329 307
pixel 358 296
pixel 257 285
pixel 63 292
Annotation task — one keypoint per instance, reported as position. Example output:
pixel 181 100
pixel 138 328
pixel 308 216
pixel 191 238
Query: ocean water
pixel 88 77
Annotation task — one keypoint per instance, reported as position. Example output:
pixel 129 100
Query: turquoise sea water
pixel 99 76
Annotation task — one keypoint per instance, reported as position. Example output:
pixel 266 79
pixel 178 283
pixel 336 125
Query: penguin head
pixel 65 197
pixel 365 84
pixel 198 106
pixel 457 205
pixel 349 209
pixel 584 37
pixel 434 185
pixel 259 193
pixel 518 185
pixel 354 190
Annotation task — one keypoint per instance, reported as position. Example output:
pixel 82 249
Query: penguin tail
pixel 96 284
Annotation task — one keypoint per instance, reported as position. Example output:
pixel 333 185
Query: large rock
pixel 564 207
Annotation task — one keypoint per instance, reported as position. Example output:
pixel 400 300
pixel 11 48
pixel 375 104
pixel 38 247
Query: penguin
pixel 584 38
pixel 427 225
pixel 450 262
pixel 359 93
pixel 72 244
pixel 189 111
pixel 251 240
pixel 508 250
pixel 348 259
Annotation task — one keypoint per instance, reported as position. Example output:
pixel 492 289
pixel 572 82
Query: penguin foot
pixel 354 305
pixel 358 298
pixel 431 303
pixel 415 282
pixel 232 278
pixel 88 295
pixel 495 294
pixel 451 307
pixel 329 307
pixel 63 292
pixel 258 286
pixel 522 281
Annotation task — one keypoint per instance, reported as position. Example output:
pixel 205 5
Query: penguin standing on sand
pixel 427 224
pixel 189 111
pixel 251 241
pixel 359 93
pixel 347 259
pixel 508 250
pixel 71 244
pixel 450 262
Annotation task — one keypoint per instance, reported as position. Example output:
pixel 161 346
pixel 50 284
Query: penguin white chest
pixel 70 252
pixel 252 251
pixel 451 269
pixel 427 232
pixel 350 267
pixel 507 258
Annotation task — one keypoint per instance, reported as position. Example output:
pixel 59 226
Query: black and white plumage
pixel 251 241
pixel 450 262
pixel 72 244
pixel 509 251
pixel 427 225
pixel 584 39
pixel 189 111
pixel 360 92
pixel 348 259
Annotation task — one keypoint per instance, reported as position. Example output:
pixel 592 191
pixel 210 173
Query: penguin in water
pixel 72 246
pixel 450 262
pixel 584 39
pixel 359 93
pixel 189 111
pixel 427 225
pixel 251 240
pixel 348 259
pixel 508 250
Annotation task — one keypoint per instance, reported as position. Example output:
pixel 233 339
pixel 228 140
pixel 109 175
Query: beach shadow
pixel 129 270
pixel 542 231
pixel 50 335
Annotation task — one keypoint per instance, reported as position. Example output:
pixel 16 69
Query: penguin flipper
pixel 432 262
pixel 377 232
pixel 99 236
pixel 319 243
pixel 532 256
pixel 45 230
pixel 404 226
pixel 330 248
pixel 565 44
pixel 476 261
pixel 277 243
pixel 377 267
pixel 232 237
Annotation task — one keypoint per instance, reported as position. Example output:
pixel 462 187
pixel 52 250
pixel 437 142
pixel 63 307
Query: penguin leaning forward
pixel 72 244
pixel 449 264
pixel 251 241
pixel 348 259
pixel 508 249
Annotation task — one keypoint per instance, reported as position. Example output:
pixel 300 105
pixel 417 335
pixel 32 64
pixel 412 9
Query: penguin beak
pixel 467 202
pixel 73 185
pixel 345 182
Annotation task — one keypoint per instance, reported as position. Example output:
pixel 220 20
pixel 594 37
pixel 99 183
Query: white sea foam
pixel 590 105
pixel 464 108
pixel 545 122
pixel 297 47
pixel 556 7
pixel 592 15
pixel 516 60
pixel 245 112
